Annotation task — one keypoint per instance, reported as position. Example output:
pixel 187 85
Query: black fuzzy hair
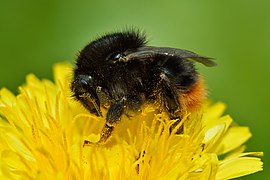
pixel 128 39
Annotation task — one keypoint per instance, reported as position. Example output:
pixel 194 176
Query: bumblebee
pixel 120 72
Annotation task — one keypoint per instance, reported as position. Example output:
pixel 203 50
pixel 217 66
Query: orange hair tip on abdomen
pixel 192 100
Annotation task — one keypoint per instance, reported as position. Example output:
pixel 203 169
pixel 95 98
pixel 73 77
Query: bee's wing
pixel 147 52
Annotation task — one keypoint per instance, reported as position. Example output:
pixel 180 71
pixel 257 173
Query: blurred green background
pixel 36 34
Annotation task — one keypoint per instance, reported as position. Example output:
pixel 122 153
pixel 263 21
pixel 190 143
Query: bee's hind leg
pixel 171 102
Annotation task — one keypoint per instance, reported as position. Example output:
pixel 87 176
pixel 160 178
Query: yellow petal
pixel 14 165
pixel 63 75
pixel 236 151
pixel 212 114
pixel 229 142
pixel 6 97
pixel 208 171
pixel 214 134
pixel 15 144
pixel 239 166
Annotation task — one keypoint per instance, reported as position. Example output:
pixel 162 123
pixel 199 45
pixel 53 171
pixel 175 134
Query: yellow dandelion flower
pixel 43 130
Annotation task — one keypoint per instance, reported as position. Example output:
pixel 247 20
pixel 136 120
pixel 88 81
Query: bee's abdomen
pixel 191 100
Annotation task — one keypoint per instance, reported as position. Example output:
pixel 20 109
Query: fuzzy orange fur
pixel 191 100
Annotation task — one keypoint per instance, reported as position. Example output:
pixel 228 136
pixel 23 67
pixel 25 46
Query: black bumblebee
pixel 120 72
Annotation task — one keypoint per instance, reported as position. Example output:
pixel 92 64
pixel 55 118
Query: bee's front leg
pixel 113 116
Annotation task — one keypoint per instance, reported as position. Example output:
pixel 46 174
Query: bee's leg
pixel 170 97
pixel 113 116
pixel 105 134
pixel 171 102
pixel 172 107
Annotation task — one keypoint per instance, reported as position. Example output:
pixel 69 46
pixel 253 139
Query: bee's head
pixel 83 89
pixel 94 61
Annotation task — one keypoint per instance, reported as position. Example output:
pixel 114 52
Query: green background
pixel 36 34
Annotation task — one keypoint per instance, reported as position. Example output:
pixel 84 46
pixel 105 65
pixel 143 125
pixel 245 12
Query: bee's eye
pixel 84 83
pixel 115 56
